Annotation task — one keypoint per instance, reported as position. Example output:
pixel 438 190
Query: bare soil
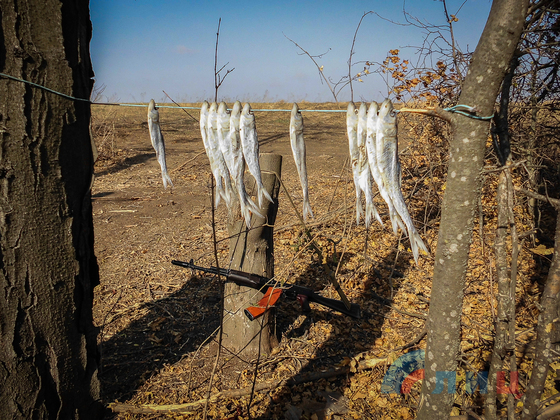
pixel 158 322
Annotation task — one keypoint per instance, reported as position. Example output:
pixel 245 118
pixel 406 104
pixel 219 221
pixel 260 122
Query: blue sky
pixel 140 48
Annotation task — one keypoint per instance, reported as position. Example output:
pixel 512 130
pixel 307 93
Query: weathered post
pixel 252 251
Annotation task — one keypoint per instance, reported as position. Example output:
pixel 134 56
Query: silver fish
pixel 388 162
pixel 250 144
pixel 352 131
pixel 157 141
pixel 298 150
pixel 222 124
pixel 238 166
pixel 220 170
pixel 363 166
pixel 371 147
pixel 204 112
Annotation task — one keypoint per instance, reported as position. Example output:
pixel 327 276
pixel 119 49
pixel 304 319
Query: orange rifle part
pixel 268 300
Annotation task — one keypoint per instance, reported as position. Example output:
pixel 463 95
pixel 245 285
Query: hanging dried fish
pixel 223 133
pixel 220 170
pixel 238 166
pixel 298 149
pixel 352 131
pixel 157 141
pixel 363 166
pixel 390 168
pixel 371 147
pixel 250 144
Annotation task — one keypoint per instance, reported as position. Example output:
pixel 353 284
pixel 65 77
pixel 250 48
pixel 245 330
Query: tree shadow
pixel 128 162
pixel 269 139
pixel 348 337
pixel 174 327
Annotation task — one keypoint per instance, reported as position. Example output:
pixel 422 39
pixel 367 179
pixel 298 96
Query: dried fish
pixel 388 162
pixel 371 147
pixel 238 166
pixel 223 132
pixel 352 131
pixel 298 149
pixel 363 166
pixel 250 145
pixel 217 161
pixel 157 141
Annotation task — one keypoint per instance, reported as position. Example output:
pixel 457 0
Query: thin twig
pixel 436 112
pixel 188 161
pixel 330 273
pixel 553 201
pixel 352 53
pixel 218 80
pixel 221 286
pixel 320 68
pixel 186 112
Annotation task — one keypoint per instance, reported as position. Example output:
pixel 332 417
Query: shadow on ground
pixel 173 328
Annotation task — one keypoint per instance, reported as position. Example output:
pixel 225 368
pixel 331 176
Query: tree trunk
pixel 48 349
pixel 504 335
pixel 253 252
pixel 548 332
pixel 486 72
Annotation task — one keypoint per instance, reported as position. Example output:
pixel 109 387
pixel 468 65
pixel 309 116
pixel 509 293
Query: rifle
pixel 302 294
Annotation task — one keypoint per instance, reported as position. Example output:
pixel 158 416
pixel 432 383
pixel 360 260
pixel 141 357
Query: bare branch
pixel 553 201
pixel 319 68
pixel 218 80
pixel 350 78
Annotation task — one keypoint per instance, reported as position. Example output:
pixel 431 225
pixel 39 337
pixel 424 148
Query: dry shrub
pixel 103 133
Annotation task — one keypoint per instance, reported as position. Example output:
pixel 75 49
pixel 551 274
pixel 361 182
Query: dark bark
pixel 504 336
pixel 505 300
pixel 480 89
pixel 253 252
pixel 48 350
pixel 548 331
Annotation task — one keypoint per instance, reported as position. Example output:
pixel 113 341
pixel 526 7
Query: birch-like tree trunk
pixel 489 65
pixel 48 349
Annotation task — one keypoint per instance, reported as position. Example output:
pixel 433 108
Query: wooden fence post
pixel 252 251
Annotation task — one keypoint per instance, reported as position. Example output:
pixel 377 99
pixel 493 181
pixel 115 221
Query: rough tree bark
pixel 504 325
pixel 253 252
pixel 48 349
pixel 548 332
pixel 489 65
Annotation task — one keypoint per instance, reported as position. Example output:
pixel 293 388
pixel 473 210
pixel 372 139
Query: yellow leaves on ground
pixel 542 250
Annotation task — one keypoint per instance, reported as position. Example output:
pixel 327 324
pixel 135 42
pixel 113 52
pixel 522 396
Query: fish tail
pixel 263 194
pixel 245 213
pixel 219 192
pixel 166 180
pixel 307 210
pixel 359 209
pixel 253 208
pixel 228 190
pixel 377 215
pixel 396 221
pixel 416 244
pixel 369 213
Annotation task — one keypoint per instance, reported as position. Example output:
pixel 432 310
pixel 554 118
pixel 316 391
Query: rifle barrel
pixel 212 270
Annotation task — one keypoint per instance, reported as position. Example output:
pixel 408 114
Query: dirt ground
pixel 158 322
